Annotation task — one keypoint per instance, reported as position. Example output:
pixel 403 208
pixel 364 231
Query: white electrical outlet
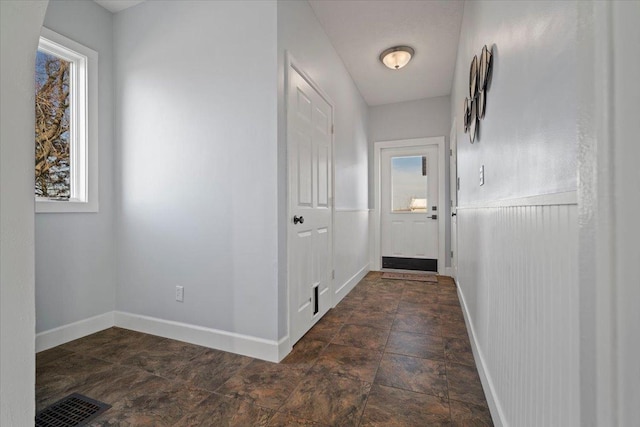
pixel 180 293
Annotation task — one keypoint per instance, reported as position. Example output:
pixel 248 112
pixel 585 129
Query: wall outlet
pixel 180 293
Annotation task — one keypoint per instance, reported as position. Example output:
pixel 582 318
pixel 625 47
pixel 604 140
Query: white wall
pixel 609 199
pixel 413 119
pixel 518 258
pixel 196 115
pixel 300 33
pixel 75 277
pixel 407 120
pixel 625 24
pixel 531 104
pixel 20 23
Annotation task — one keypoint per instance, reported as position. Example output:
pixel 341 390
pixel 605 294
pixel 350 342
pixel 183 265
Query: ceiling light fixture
pixel 396 57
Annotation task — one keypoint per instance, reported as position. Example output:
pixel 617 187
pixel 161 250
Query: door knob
pixel 453 214
pixel 298 219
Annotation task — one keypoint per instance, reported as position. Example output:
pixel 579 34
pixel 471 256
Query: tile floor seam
pixel 446 373
pixel 284 401
pixel 193 407
pixel 416 391
pixel 364 409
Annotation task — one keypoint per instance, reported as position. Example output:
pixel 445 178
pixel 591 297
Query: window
pixel 66 128
pixel 409 184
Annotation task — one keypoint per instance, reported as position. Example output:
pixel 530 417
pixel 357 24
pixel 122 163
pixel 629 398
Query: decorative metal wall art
pixel 475 105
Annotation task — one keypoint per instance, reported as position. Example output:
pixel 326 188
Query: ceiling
pixel 116 6
pixel 361 30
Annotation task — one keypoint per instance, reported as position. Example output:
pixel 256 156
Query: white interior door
pixel 409 208
pixel 453 191
pixel 310 231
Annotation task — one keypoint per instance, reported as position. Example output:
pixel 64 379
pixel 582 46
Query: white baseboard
pixel 246 345
pixel 346 287
pixel 284 348
pixel 497 414
pixel 63 334
pixel 272 351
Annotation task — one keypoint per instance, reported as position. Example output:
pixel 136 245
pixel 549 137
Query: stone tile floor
pixel 392 353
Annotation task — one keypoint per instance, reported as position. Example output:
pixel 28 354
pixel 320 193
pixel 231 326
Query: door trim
pixel 375 262
pixel 453 187
pixel 292 64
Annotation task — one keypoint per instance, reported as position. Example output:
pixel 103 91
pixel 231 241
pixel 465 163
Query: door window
pixel 409 184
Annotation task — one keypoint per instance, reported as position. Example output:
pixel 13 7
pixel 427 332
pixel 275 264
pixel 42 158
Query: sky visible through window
pixel 52 150
pixel 408 185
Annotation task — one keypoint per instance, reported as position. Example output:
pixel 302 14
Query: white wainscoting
pixel 517 277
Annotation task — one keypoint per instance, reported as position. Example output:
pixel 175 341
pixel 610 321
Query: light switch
pixel 482 175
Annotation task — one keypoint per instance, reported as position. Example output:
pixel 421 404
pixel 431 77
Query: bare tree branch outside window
pixel 52 156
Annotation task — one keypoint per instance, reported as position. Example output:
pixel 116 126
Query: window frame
pixel 83 140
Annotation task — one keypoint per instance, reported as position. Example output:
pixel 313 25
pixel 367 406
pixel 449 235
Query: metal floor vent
pixel 73 410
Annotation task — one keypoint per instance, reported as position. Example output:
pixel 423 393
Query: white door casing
pixel 438 141
pixel 453 190
pixel 409 229
pixel 310 176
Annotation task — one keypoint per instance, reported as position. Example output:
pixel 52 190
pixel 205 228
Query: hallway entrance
pixel 409 231
pixel 409 208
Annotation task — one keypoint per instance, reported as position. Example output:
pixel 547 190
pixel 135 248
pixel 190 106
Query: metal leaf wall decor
pixel 479 78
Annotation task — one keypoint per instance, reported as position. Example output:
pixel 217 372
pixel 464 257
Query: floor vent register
pixel 73 410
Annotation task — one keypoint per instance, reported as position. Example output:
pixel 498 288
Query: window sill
pixel 70 206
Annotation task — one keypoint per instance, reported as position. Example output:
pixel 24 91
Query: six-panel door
pixel 310 235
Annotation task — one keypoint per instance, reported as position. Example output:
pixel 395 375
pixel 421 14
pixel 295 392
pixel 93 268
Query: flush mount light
pixel 397 57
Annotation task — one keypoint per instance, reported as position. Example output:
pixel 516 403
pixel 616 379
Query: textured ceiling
pixel 360 30
pixel 115 6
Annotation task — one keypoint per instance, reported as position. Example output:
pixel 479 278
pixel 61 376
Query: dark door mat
pixel 411 276
pixel 73 410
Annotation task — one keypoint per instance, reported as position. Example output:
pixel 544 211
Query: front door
pixel 309 130
pixel 409 208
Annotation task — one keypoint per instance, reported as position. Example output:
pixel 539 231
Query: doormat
pixel 73 410
pixel 411 276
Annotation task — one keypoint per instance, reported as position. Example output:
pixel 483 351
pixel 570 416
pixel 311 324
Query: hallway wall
pixel 75 270
pixel 197 172
pixel 517 234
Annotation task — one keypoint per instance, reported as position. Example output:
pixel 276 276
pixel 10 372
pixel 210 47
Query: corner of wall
pixel 20 24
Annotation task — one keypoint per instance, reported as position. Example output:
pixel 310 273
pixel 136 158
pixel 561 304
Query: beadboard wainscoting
pixel 517 278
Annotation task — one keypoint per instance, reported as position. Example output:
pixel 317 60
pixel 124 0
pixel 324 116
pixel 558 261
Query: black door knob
pixel 298 219
pixel 453 214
